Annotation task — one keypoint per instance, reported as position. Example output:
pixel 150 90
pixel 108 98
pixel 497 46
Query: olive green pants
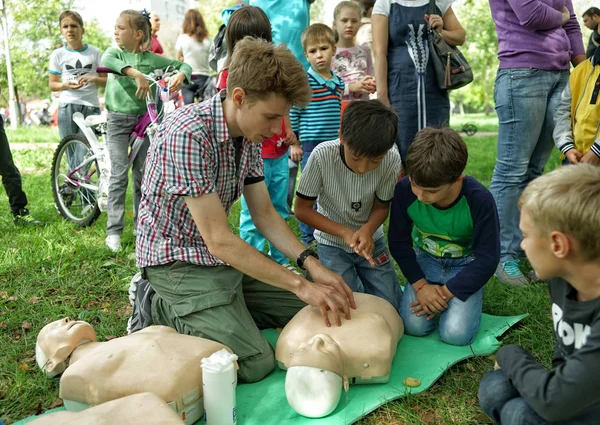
pixel 224 305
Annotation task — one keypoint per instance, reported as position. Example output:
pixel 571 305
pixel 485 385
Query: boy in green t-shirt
pixel 444 235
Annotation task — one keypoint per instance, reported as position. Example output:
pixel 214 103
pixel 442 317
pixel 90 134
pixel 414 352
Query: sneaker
pixel 23 218
pixel 510 273
pixel 113 242
pixel 140 298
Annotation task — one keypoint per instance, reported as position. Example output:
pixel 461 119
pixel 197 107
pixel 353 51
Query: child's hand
pixel 296 153
pixel 430 300
pixel 574 156
pixel 363 244
pixel 590 158
pixel 364 85
pixel 142 86
pixel 176 82
pixel 290 138
pixel 71 85
pixel 87 79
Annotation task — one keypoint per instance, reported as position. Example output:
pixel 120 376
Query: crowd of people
pixel 357 104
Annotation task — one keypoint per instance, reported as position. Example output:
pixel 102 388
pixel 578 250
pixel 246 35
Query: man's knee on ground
pixel 255 368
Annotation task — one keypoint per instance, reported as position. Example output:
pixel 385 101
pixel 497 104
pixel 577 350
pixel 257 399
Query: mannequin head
pixel 314 380
pixel 312 392
pixel 57 340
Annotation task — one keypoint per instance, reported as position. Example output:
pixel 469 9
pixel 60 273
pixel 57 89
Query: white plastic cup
pixel 219 395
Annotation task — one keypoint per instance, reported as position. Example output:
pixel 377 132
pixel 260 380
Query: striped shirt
pixel 320 120
pixel 192 154
pixel 344 196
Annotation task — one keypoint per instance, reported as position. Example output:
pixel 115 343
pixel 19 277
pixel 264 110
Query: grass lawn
pixel 61 270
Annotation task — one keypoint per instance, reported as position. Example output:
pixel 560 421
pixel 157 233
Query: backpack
pixel 218 50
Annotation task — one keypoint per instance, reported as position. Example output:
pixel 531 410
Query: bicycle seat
pixel 92 120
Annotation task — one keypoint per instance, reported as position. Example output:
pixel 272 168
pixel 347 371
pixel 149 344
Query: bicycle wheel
pixel 74 185
pixel 470 129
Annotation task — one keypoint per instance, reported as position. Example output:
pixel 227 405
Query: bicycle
pixel 469 129
pixel 81 164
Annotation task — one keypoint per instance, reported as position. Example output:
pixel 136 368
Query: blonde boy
pixel 560 220
pixel 320 120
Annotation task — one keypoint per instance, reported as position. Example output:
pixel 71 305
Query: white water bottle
pixel 219 381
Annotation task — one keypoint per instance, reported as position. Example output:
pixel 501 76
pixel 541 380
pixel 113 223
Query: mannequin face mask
pixel 57 340
pixel 314 380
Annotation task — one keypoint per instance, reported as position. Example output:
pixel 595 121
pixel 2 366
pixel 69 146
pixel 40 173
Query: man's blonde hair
pixel 317 33
pixel 260 68
pixel 567 200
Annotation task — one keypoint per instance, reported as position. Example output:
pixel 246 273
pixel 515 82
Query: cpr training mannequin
pixel 144 408
pixel 321 360
pixel 156 359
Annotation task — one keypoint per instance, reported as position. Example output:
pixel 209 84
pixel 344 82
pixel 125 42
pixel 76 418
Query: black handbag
pixel 451 68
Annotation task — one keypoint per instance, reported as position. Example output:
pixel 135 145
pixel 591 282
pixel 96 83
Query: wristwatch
pixel 303 255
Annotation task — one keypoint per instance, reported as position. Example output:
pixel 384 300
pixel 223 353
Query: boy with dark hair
pixel 353 180
pixel 560 221
pixel 451 220
pixel 320 120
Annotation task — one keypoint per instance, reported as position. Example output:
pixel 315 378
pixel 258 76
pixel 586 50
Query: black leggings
pixel 11 178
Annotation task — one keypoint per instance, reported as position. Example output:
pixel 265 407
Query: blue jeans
pixel 459 323
pixel 307 232
pixel 358 274
pixel 276 178
pixel 526 99
pixel 503 403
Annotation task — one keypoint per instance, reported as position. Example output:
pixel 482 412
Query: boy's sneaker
pixel 140 298
pixel 510 273
pixel 23 218
pixel 113 242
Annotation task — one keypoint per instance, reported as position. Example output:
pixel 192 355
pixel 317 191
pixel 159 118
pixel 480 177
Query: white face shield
pixel 312 392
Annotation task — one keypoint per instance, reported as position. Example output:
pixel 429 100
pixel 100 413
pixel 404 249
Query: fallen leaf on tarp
pixel 411 382
pixel 27 326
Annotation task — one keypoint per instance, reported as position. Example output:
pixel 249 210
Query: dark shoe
pixel 140 298
pixel 23 218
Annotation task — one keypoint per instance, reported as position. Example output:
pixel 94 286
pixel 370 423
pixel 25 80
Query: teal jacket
pixel 120 90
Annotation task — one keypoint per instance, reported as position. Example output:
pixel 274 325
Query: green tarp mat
pixel 424 358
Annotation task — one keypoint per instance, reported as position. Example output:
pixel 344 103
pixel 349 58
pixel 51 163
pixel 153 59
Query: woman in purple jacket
pixel 537 42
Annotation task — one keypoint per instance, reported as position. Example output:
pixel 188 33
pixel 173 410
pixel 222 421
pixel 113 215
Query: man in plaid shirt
pixel 207 281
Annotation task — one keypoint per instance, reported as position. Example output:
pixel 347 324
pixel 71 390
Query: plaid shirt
pixel 192 154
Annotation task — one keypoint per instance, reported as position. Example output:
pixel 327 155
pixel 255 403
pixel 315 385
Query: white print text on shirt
pixel 576 334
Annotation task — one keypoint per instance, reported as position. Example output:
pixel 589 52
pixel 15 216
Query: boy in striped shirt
pixel 353 179
pixel 320 120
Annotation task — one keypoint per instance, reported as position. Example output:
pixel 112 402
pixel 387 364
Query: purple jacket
pixel 531 35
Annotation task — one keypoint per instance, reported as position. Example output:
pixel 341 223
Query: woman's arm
pixel 179 55
pixel 380 28
pixel 448 26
